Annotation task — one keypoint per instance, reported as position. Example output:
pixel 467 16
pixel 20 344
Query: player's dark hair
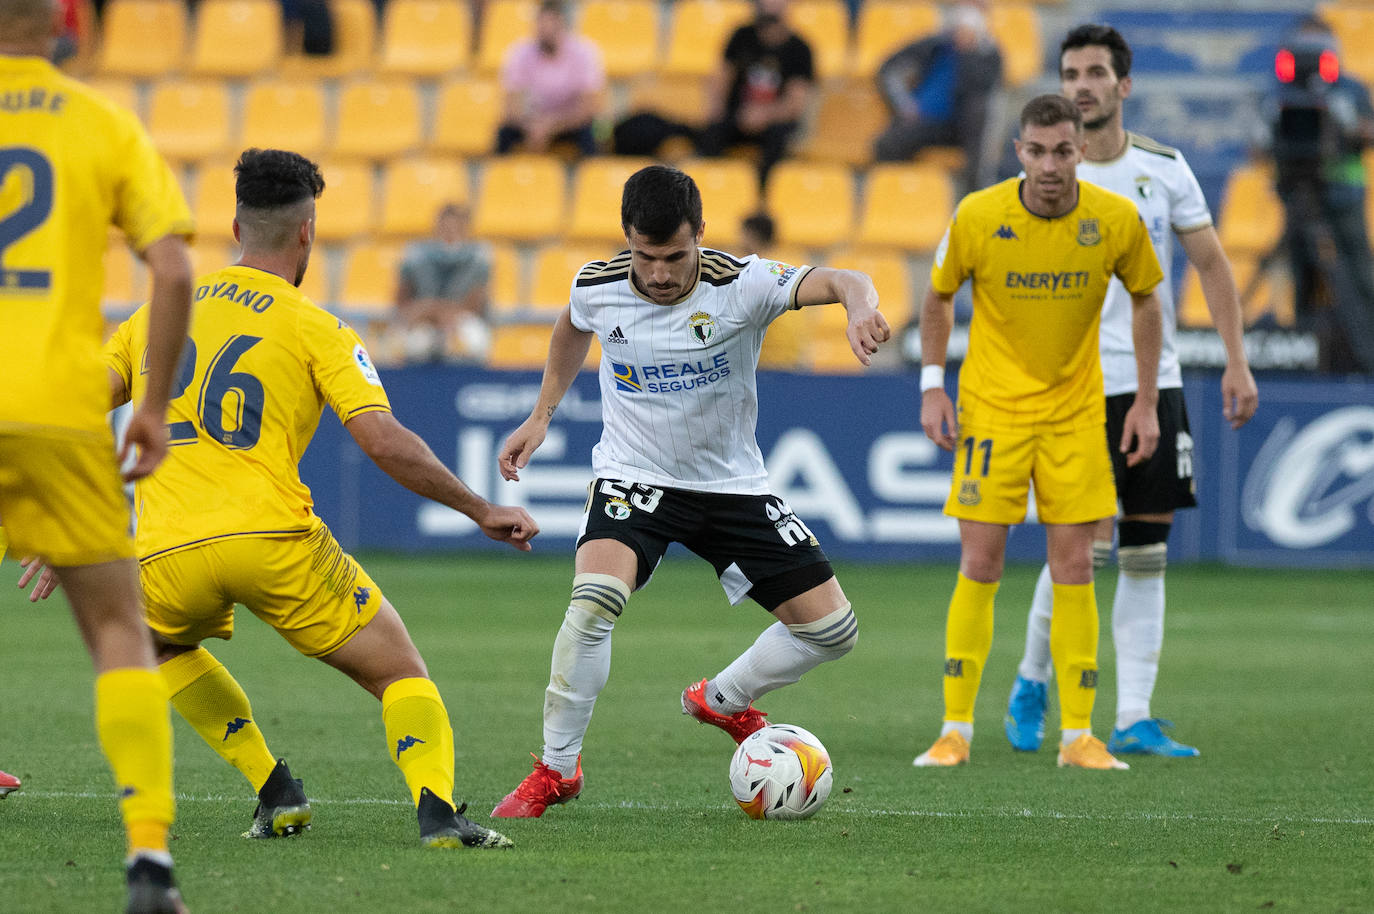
pixel 1048 110
pixel 657 200
pixel 1094 35
pixel 270 178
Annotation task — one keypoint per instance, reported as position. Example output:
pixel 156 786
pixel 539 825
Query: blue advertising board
pixel 1295 486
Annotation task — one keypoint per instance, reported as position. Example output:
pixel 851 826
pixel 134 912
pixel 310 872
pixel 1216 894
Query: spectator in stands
pixel 553 85
pixel 309 26
pixel 762 89
pixel 756 233
pixel 68 43
pixel 939 89
pixel 441 294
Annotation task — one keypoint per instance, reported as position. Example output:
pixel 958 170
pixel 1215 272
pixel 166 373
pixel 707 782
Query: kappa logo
pixel 361 596
pixel 1005 233
pixel 969 494
pixel 1088 232
pixel 703 327
pixel 617 336
pixel 406 742
pixel 617 508
pixel 235 725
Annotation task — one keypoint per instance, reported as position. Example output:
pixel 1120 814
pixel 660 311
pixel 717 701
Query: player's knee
pixel 1102 553
pixel 597 601
pixel 833 635
pixel 1144 550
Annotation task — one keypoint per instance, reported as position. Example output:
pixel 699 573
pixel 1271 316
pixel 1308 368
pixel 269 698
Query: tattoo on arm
pixel 552 410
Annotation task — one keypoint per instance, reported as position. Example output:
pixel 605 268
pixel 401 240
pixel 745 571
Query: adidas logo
pixel 1005 232
pixel 616 336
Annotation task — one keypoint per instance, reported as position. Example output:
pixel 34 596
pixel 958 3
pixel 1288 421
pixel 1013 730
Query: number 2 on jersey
pixel 213 400
pixel 33 211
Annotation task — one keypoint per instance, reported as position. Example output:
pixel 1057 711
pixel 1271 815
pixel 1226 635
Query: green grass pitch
pixel 1269 672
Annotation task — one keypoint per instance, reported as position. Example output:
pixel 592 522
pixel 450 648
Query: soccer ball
pixel 780 772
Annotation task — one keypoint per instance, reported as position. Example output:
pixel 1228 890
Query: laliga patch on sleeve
pixel 942 250
pixel 364 363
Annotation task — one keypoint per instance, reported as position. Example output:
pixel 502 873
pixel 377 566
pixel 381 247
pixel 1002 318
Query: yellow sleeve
pixel 953 259
pixel 148 203
pixel 118 352
pixel 1138 266
pixel 342 369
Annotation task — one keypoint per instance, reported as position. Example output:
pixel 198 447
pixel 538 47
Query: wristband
pixel 932 376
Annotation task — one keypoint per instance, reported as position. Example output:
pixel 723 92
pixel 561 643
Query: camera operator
pixel 1320 121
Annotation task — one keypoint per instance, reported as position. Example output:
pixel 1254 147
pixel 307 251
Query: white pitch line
pixel 862 810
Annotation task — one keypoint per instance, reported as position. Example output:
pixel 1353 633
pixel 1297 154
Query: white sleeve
pixel 578 311
pixel 770 288
pixel 1187 206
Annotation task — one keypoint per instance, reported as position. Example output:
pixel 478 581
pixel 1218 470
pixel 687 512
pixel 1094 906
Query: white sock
pixel 1071 735
pixel 1036 663
pixel 579 670
pixel 780 656
pixel 963 728
pixel 1138 629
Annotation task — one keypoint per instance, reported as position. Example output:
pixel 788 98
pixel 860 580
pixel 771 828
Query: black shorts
pixel 1165 481
pixel 759 548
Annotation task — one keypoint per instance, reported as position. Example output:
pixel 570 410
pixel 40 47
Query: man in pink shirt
pixel 553 85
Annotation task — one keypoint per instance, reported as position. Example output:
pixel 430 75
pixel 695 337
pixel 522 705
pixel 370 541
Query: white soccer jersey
pixel 679 396
pixel 1162 186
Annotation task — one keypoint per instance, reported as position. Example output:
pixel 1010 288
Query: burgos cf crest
pixel 1143 188
pixel 703 327
pixel 1088 233
pixel 617 508
pixel 969 494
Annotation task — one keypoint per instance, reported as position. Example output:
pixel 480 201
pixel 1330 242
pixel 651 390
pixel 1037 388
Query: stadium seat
pixel 890 276
pixel 555 266
pixel 123 92
pixel 886 25
pixel 126 281
pixel 505 294
pixel 1016 29
pixel 680 98
pixel 794 194
pixel 504 22
pixel 315 285
pixel 189 119
pixel 378 119
pixel 825 26
pixel 211 254
pixel 213 202
pixel 596 196
pixel 125 49
pixel 414 190
pixel 1251 218
pixel 281 114
pixel 626 31
pixel 345 209
pixel 1353 25
pixel 369 279
pixel 520 198
pixel 729 192
pixel 355 43
pixel 849 117
pixel 236 38
pixel 466 116
pixel 784 345
pixel 516 346
pixel 1269 295
pixel 425 38
pixel 906 206
pixel 698 32
pixel 828 349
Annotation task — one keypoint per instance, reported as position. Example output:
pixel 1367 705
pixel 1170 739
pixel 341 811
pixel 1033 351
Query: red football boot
pixel 543 788
pixel 738 725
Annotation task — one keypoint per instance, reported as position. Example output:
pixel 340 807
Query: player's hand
pixel 937 418
pixel 519 448
pixel 148 434
pixel 1239 395
pixel 46 581
pixel 867 331
pixel 509 525
pixel 1141 428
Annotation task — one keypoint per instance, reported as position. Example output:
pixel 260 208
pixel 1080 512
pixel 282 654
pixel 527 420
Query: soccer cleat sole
pixel 6 791
pixel 286 822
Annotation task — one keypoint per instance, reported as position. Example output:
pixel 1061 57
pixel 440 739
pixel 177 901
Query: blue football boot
pixel 1147 737
pixel 1025 720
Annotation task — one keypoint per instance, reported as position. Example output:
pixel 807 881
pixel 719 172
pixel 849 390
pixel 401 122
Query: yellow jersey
pixel 72 164
pixel 261 363
pixel 1038 289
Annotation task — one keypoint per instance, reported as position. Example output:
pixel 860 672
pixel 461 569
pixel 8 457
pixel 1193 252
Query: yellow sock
pixel 419 737
pixel 968 639
pixel 1073 647
pixel 212 701
pixel 135 732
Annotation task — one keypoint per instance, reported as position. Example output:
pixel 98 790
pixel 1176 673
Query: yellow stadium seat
pixel 369 279
pixel 698 33
pixel 555 267
pixel 211 254
pixel 236 38
pixel 126 26
pixel 1353 25
pixel 812 203
pixel 505 293
pixel 123 92
pixel 315 284
pixel 828 349
pixel 520 198
pixel 515 346
pixel 345 209
pixel 466 116
pixel 213 201
pixel 1251 219
pixel 1266 295
pixel 1016 29
pixel 596 196
pixel 378 119
pixel 729 192
pixel 906 206
pixel 504 22
pixel 890 275
pixel 415 189
pixel 784 345
pixel 425 37
pixel 849 117
pixel 281 114
pixel 825 26
pixel 189 120
pixel 126 282
pixel 355 42
pixel 627 33
pixel 884 26
pixel 680 98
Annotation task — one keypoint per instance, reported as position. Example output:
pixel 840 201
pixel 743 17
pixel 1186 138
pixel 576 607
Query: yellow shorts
pixel 61 498
pixel 306 587
pixel 994 466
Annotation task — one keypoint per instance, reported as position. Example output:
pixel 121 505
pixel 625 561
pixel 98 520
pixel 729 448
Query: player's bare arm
pixel 1239 395
pixel 1140 431
pixel 937 410
pixel 405 457
pixel 867 329
pixel 169 316
pixel 567 351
